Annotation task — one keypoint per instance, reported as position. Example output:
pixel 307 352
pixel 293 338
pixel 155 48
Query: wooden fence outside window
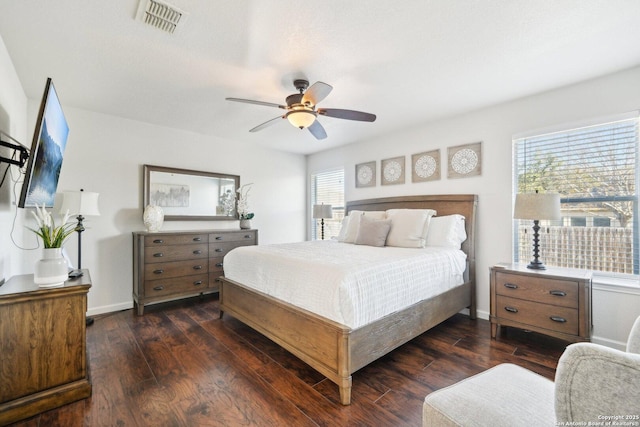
pixel 607 249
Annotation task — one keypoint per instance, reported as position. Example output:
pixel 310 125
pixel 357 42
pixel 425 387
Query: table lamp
pixel 537 206
pixel 321 212
pixel 80 203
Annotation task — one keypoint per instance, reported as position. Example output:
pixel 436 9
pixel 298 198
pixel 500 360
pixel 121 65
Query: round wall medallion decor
pixel 425 166
pixel 392 171
pixel 365 174
pixel 464 161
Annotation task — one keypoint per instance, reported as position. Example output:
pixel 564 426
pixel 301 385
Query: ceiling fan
pixel 302 112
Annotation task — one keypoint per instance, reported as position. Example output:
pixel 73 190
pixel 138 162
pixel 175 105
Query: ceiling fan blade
pixel 317 130
pixel 316 93
pixel 266 124
pixel 347 114
pixel 251 101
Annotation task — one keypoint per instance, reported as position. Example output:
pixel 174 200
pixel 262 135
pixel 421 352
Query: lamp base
pixel 536 265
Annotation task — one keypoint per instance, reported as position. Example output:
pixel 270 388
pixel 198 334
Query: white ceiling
pixel 409 62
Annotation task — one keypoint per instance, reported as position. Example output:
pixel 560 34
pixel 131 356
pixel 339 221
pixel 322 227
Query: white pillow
pixel 447 231
pixel 409 227
pixel 354 223
pixel 343 229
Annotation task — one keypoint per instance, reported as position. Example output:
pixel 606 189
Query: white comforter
pixel 350 284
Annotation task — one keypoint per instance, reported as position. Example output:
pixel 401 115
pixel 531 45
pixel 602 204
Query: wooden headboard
pixel 444 204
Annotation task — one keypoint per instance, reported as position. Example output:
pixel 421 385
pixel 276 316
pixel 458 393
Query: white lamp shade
pixel 322 211
pixel 537 206
pixel 83 203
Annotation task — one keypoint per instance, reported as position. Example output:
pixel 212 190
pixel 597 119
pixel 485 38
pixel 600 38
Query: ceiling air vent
pixel 160 15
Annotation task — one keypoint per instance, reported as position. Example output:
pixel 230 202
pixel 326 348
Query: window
pixel 594 168
pixel 328 188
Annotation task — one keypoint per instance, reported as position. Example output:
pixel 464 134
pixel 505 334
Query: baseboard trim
pixel 618 345
pixel 109 308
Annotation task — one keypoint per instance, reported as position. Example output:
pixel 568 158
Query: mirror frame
pixel 147 169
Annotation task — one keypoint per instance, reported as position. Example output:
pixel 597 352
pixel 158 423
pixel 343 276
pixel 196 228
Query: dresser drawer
pixel 548 291
pixel 220 249
pixel 556 318
pixel 235 236
pixel 216 265
pixel 175 285
pixel 175 268
pixel 175 253
pixel 175 239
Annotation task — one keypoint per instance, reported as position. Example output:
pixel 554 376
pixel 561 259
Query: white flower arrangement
pixel 243 202
pixel 53 236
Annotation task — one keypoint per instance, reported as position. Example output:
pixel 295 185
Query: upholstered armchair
pixel 593 383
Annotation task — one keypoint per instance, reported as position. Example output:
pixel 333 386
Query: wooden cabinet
pixel 555 301
pixel 43 356
pixel 178 264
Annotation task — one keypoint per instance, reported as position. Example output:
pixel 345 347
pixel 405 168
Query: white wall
pixel 105 154
pixel 614 312
pixel 13 120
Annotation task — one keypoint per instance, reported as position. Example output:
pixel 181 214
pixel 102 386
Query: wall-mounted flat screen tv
pixel 47 151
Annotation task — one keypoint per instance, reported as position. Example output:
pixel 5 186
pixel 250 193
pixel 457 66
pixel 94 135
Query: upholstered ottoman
pixel 505 395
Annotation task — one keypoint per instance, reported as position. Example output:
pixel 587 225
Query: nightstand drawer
pixel 555 318
pixel 548 291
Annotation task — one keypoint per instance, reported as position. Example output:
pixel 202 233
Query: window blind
pixel 328 187
pixel 594 168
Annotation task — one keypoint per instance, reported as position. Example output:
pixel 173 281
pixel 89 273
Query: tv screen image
pixel 47 152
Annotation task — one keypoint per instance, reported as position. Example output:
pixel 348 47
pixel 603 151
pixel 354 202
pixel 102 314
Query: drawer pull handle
pixel 247 236
pixel 158 271
pixel 158 241
pixel 197 283
pixel 558 293
pixel 158 288
pixel 511 309
pixel 197 267
pixel 218 250
pixel 197 239
pixel 158 255
pixel 558 319
pixel 219 264
pixel 218 237
pixel 510 286
pixel 198 252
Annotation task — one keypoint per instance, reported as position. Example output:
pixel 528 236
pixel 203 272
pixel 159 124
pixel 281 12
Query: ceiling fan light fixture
pixel 301 118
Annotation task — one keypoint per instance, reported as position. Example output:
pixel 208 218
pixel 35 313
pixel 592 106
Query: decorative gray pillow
pixel 372 232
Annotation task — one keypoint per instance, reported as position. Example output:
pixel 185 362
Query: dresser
pixel 555 301
pixel 43 346
pixel 178 264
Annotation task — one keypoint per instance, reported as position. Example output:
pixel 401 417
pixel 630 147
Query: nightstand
pixel 555 301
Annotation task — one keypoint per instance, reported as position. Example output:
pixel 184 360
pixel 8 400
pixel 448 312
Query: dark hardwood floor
pixel 180 365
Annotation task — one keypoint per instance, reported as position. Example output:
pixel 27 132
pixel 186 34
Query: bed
pixel 335 349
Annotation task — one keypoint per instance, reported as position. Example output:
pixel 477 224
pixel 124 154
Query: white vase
pixel 245 224
pixel 52 269
pixel 153 218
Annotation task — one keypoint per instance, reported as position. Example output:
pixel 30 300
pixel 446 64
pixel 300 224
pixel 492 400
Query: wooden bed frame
pixel 335 350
